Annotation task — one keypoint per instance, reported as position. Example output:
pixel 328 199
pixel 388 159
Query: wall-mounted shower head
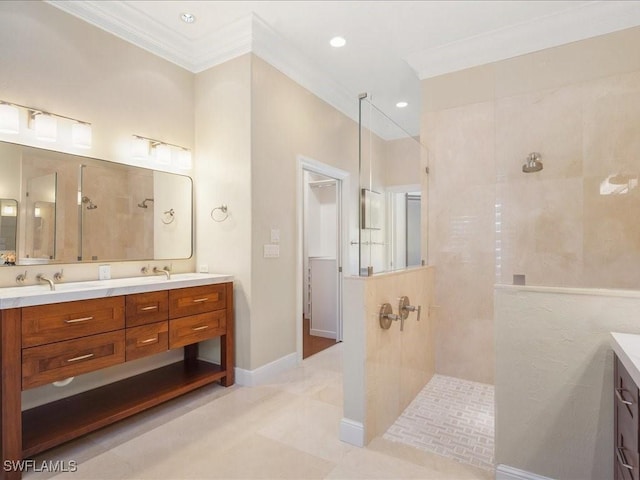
pixel 533 163
pixel 143 204
pixel 90 204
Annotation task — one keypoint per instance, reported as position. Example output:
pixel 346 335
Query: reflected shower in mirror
pixel 78 209
pixel 392 173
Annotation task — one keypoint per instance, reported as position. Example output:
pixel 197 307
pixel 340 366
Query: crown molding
pixel 576 23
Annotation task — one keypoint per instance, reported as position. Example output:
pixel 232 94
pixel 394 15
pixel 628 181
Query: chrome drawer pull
pixel 152 307
pixel 149 340
pixel 199 300
pixel 621 459
pixel 81 357
pixel 78 320
pixel 619 395
pixel 195 329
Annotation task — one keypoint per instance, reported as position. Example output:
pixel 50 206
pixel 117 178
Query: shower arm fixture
pixel 91 205
pixel 143 204
pixel 533 163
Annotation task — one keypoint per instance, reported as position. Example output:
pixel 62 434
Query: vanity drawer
pixel 64 321
pixel 57 361
pixel 626 395
pixel 195 300
pixel 144 308
pixel 147 340
pixel 193 329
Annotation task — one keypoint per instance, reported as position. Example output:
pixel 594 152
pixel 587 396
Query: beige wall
pixel 385 369
pixel 287 121
pixel 223 175
pixel 578 105
pixel 56 62
pixel 554 378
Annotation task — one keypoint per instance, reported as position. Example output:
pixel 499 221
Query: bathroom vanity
pixel 50 336
pixel 626 420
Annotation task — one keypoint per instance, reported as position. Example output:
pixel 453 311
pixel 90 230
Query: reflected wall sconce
pixel 162 153
pixel 45 124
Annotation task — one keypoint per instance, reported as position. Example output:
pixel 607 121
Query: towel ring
pixel 169 217
pixel 223 209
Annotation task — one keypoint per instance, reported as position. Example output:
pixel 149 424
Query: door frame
pixel 342 185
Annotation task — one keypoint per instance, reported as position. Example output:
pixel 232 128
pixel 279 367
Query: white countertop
pixel 627 347
pixel 29 295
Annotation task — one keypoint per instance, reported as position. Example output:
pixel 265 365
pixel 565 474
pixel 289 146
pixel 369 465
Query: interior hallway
pixel 285 429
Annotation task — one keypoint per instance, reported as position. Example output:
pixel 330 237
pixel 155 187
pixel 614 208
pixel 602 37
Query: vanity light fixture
pixel 9 118
pixel 9 211
pixel 401 104
pixel 45 124
pixel 337 42
pixel 37 212
pixel 163 153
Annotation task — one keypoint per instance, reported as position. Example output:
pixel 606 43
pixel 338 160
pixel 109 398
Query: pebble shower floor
pixel 450 417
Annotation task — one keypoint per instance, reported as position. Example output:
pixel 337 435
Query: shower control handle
pixel 404 307
pixel 386 316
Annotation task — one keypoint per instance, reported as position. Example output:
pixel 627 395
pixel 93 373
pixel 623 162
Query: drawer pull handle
pixel 78 320
pixel 200 300
pixel 621 398
pixel 150 307
pixel 621 459
pixel 81 357
pixel 196 329
pixel 149 340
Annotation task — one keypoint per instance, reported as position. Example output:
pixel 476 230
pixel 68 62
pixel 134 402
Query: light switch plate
pixel 275 235
pixel 104 272
pixel 271 251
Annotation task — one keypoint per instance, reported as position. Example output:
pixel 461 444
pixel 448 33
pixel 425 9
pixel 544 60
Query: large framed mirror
pixel 71 209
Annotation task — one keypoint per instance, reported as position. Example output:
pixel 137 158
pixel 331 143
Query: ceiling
pixel 391 45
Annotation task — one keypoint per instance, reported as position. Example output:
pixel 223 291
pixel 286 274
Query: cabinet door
pixel 627 457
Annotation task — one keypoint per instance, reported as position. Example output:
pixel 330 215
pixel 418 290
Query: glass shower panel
pixel 393 190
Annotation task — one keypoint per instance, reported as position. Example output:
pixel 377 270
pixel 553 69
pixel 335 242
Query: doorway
pixel 321 223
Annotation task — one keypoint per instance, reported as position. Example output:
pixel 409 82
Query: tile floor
pixel 450 417
pixel 285 429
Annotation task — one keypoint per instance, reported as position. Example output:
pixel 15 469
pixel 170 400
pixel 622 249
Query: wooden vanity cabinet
pixel 627 425
pixel 47 343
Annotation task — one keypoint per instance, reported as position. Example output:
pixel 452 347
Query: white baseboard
pixel 322 333
pixel 265 373
pixel 352 432
pixel 505 472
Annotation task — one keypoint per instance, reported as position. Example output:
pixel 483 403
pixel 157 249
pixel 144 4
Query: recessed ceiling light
pixel 401 104
pixel 187 17
pixel 338 42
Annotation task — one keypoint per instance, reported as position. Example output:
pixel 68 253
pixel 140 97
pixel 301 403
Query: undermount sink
pixel 11 297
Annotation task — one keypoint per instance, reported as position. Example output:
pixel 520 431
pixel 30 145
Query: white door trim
pixel 308 164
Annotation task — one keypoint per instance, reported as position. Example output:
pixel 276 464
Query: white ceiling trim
pixel 589 20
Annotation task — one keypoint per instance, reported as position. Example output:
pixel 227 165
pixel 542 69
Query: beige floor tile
pixel 310 426
pixel 256 457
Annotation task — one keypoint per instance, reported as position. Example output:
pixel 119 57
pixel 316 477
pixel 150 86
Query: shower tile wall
pixel 571 224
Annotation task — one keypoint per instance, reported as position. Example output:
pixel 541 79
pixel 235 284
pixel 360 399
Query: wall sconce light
pixel 44 123
pixel 9 118
pixel 37 212
pixel 163 153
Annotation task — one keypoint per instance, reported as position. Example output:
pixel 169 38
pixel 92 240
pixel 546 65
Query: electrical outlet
pixel 204 268
pixel 104 272
pixel 271 251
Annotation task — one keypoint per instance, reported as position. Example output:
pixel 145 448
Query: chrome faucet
pixel 41 278
pixel 164 270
